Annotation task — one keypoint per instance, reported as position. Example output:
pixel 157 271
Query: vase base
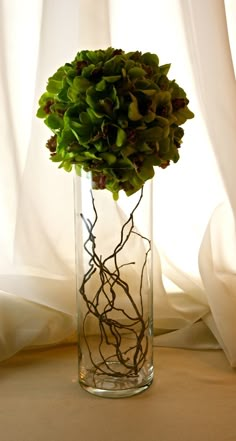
pixel 125 393
pixel 114 386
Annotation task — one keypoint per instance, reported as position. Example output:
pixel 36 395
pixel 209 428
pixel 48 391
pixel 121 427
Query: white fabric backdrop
pixel 195 200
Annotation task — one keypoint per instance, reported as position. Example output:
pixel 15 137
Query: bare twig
pixel 131 359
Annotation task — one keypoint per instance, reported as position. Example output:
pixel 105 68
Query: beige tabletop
pixel 193 398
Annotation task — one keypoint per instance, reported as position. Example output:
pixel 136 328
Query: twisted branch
pixel 132 359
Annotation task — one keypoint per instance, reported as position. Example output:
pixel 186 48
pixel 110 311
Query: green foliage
pixel 115 114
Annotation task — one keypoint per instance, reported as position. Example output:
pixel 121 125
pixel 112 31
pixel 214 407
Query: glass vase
pixel 114 289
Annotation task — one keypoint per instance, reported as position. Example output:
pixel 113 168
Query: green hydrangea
pixel 115 114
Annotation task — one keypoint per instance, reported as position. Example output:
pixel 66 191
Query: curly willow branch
pixel 112 331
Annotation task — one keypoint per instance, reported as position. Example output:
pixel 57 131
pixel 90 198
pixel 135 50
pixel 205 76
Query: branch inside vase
pixel 121 325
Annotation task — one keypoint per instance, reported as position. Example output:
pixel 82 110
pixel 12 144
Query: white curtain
pixel 194 200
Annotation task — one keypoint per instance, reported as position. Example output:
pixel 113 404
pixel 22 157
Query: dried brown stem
pixel 131 359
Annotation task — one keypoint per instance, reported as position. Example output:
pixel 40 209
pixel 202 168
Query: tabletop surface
pixel 193 398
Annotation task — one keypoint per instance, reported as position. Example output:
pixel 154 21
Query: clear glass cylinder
pixel 114 289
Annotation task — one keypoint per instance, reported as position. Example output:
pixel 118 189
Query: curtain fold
pixel 216 88
pixel 37 280
pixel 194 200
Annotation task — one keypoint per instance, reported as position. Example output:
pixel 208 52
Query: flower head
pixel 115 114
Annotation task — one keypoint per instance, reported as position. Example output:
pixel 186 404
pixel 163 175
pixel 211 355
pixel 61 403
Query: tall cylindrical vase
pixel 114 289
